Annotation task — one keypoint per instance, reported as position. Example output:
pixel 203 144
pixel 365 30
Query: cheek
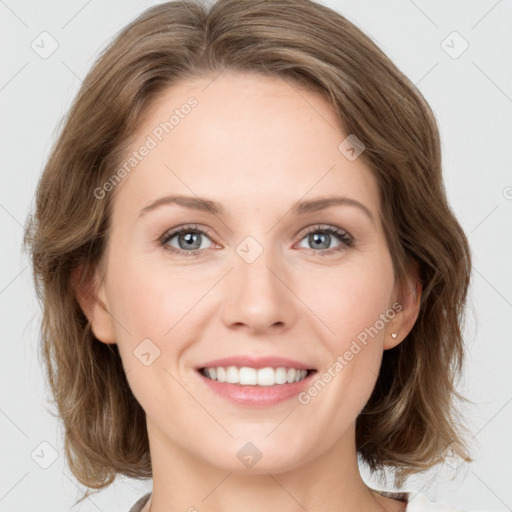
pixel 151 310
pixel 156 302
pixel 352 301
pixel 352 307
pixel 357 348
pixel 145 304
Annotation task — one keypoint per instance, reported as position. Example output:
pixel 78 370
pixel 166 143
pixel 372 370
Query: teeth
pixel 246 376
pixel 221 374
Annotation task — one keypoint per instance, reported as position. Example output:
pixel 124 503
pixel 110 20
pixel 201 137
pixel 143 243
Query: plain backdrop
pixel 457 53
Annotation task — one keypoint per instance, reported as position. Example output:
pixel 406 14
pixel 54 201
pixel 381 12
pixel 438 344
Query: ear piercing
pixel 394 335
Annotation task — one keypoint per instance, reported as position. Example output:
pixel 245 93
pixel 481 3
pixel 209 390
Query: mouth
pixel 252 387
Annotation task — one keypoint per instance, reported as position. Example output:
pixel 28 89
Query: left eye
pixel 320 237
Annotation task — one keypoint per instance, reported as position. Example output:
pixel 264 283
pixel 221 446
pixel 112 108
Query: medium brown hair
pixel 411 418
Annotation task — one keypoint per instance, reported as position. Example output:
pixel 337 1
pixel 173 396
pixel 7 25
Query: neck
pixel 329 481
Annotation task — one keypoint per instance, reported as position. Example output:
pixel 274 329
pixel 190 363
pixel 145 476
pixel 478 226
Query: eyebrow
pixel 298 208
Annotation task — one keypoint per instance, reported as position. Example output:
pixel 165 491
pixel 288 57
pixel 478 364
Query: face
pixel 260 279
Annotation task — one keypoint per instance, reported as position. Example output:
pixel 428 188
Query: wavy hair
pixel 411 418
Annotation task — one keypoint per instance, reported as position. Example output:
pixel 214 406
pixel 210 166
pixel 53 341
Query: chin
pixel 259 455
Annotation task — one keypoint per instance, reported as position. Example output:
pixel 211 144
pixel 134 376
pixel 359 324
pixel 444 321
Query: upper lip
pixel 256 362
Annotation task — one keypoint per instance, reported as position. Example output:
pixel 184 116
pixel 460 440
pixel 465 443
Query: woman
pixel 249 271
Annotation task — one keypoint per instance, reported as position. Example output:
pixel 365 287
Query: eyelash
pixel 345 238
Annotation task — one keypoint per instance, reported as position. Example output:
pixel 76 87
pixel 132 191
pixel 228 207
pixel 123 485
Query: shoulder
pixel 137 507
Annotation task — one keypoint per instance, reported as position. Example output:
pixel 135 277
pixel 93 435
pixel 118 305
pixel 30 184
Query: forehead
pixel 240 138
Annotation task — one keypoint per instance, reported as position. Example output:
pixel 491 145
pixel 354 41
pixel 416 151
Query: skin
pixel 256 145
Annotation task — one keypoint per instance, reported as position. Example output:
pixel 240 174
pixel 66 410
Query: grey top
pixel 137 507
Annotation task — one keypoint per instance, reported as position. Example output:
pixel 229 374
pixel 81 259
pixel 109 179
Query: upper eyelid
pixel 176 231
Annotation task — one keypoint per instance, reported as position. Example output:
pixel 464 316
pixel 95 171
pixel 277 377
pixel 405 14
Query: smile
pixel 247 376
pixel 255 387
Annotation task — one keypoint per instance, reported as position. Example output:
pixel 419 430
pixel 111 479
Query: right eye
pixel 188 239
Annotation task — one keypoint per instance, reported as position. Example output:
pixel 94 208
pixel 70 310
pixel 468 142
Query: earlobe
pixel 403 322
pixel 92 299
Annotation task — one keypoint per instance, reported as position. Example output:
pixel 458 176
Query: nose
pixel 258 297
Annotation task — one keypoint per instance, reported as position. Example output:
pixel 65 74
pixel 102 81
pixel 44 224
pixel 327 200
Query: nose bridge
pixel 257 295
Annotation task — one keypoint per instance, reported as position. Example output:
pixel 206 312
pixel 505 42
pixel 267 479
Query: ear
pixel 90 294
pixel 408 303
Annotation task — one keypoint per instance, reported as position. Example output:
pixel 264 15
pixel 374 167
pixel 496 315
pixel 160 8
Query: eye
pixel 188 239
pixel 320 237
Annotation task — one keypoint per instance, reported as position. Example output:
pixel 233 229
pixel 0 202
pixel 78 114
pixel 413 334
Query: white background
pixel 472 98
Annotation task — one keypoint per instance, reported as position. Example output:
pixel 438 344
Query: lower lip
pixel 257 395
